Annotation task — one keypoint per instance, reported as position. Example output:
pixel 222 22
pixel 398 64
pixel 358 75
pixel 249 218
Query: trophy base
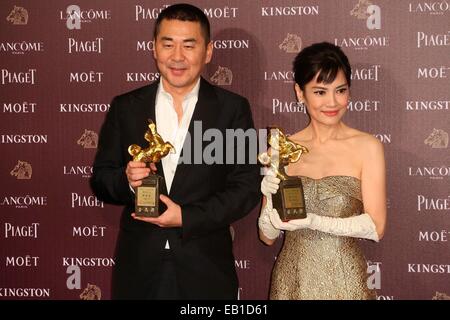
pixel 147 197
pixel 289 200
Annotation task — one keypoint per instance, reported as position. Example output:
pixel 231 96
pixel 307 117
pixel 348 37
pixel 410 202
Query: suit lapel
pixel 206 111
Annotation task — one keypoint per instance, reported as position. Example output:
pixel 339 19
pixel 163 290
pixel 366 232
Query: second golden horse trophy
pixel 289 200
pixel 147 194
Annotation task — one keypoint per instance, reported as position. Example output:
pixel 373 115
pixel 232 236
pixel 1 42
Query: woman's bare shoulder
pixel 364 141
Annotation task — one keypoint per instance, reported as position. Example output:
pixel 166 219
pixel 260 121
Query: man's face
pixel 180 54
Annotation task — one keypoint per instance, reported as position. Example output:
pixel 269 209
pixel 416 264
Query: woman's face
pixel 326 103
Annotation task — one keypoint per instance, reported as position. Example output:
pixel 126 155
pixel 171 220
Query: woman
pixel 343 177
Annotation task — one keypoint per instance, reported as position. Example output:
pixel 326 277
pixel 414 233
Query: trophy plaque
pixel 147 194
pixel 289 201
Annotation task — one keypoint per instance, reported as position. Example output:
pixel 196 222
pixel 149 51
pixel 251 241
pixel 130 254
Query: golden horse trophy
pixel 147 194
pixel 289 200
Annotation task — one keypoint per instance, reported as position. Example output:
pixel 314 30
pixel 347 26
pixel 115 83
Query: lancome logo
pixel 23 202
pixel 285 76
pixel 21 47
pixel 430 7
pixel 436 173
pixel 83 171
pixel 74 16
pixel 363 43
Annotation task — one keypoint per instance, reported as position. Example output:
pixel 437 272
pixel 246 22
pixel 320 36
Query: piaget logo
pixel 18 16
pixel 22 170
pixel 222 77
pixel 88 140
pixel 291 44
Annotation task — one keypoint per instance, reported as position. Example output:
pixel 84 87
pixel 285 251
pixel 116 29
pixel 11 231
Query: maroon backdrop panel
pixel 63 62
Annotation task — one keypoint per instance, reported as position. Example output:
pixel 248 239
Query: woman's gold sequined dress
pixel 317 265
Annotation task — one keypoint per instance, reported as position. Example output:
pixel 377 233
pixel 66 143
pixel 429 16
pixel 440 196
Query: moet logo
pixel 438 139
pixel 222 77
pixel 291 44
pixel 22 170
pixel 88 140
pixel 18 15
pixel 364 9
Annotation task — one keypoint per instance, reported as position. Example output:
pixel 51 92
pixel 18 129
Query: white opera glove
pixel 264 223
pixel 270 183
pixel 290 225
pixel 360 226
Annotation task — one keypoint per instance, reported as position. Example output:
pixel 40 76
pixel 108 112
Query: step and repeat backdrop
pixel 62 62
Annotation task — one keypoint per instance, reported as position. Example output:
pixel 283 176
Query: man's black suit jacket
pixel 211 198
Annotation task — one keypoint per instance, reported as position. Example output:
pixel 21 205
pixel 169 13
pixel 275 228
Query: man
pixel 186 252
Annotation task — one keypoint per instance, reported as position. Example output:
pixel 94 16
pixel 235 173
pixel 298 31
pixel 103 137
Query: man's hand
pixel 136 171
pixel 169 218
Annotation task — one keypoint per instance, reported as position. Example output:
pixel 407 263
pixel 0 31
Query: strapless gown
pixel 317 265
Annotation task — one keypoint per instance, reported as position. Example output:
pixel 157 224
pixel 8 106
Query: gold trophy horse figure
pixel 156 150
pixel 283 152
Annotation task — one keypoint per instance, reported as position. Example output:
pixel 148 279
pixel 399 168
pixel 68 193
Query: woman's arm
pixel 373 182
